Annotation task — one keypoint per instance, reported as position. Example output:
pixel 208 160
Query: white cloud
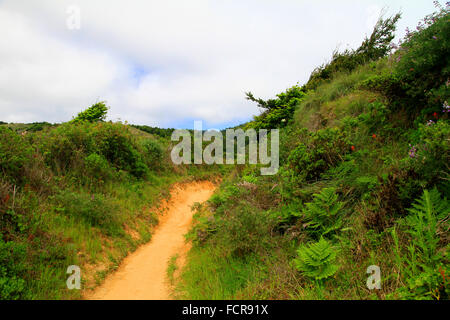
pixel 162 62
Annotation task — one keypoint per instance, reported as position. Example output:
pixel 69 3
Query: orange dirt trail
pixel 143 274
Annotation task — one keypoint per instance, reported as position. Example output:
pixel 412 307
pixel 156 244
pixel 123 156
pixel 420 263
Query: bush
pixel 429 154
pixel 424 60
pixel 120 148
pixel 388 84
pixel 245 231
pixel 321 150
pixel 95 210
pixel 98 167
pixel 153 153
pixel 15 155
pixel 66 147
pixel 12 255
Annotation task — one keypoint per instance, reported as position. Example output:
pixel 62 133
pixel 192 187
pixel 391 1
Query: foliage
pixel 245 231
pixel 425 265
pixel 324 213
pixel 15 155
pixel 153 153
pixel 66 146
pixel 97 112
pixel 95 210
pixel 164 133
pixel 319 151
pixel 277 112
pixel 353 158
pixel 98 167
pixel 317 260
pixel 423 62
pixel 372 48
pixel 431 152
pixel 11 286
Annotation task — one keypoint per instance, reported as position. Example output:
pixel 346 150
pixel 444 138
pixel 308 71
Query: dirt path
pixel 143 274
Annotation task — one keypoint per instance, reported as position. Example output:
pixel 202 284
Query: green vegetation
pixel 96 112
pixel 78 193
pixel 364 180
pixel 317 260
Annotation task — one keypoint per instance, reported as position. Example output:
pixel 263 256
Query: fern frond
pixel 316 260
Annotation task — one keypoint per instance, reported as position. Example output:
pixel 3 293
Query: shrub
pixel 12 255
pixel 120 148
pixel 423 63
pixel 316 260
pixel 418 82
pixel 95 210
pixel 98 167
pixel 245 231
pixel 15 155
pixel 321 150
pixel 66 147
pixel 429 154
pixel 153 153
pixel 388 84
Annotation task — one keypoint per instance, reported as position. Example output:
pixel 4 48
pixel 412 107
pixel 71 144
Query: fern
pixel 424 260
pixel 317 260
pixel 322 212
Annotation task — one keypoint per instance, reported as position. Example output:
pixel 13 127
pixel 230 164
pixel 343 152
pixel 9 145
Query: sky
pixel 167 63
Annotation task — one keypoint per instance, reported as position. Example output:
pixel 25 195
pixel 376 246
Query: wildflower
pixel 412 152
pixel 430 122
pixel 374 136
pixel 435 115
pixel 353 148
pixel 434 37
pixel 446 107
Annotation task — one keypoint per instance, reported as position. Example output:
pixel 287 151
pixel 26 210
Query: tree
pixel 371 49
pixel 97 112
pixel 276 112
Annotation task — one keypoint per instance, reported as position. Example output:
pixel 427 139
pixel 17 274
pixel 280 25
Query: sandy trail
pixel 143 274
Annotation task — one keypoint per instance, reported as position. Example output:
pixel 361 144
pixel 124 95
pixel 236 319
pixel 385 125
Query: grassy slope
pixel 246 239
pixel 68 198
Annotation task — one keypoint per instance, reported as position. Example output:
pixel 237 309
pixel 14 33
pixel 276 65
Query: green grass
pixel 172 267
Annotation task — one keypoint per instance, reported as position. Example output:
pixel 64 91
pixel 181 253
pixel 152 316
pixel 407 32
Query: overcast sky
pixel 166 63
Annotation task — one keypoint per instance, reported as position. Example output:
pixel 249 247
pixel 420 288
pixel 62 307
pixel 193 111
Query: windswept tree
pixel 97 112
pixel 276 112
pixel 372 48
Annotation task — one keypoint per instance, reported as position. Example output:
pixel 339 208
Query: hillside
pixel 363 185
pixel 80 193
pixel 364 181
